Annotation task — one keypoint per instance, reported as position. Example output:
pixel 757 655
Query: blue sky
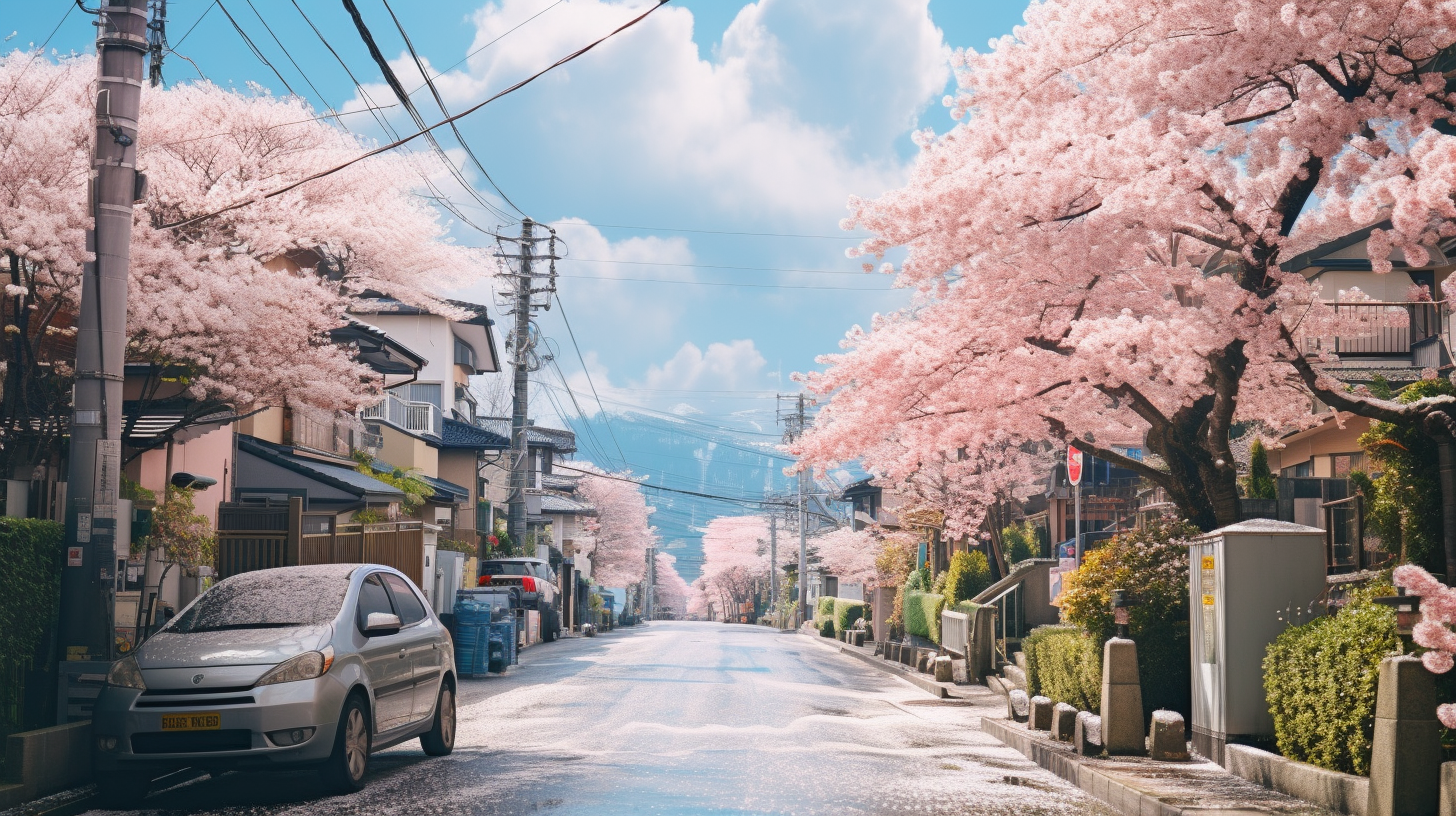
pixel 715 115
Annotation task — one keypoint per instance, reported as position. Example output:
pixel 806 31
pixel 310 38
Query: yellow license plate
pixel 197 721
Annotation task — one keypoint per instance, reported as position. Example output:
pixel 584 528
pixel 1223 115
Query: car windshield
pixel 268 599
pixel 507 568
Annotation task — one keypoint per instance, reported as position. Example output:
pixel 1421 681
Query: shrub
pixel 922 614
pixel 30 592
pixel 919 580
pixel 967 608
pixel 823 609
pixel 1404 502
pixel 826 629
pixel 1065 663
pixel 1152 564
pixel 1020 542
pixel 1320 679
pixel 1260 483
pixel 846 613
pixel 969 573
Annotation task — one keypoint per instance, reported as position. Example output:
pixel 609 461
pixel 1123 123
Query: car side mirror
pixel 381 623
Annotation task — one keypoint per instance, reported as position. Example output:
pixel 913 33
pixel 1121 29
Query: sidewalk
pixel 1137 786
pixel 867 654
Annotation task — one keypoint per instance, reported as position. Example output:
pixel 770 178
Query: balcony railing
pixel 336 433
pixel 1370 328
pixel 415 417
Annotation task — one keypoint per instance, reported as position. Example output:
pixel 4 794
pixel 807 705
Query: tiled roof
pixel 340 476
pixel 456 434
pixel 555 438
pixel 555 505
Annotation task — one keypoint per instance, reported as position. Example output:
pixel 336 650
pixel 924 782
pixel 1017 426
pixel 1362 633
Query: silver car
pixel 282 668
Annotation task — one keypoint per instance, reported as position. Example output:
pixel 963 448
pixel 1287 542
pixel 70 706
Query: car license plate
pixel 196 721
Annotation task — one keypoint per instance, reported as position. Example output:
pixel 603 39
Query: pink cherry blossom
pixel 620 532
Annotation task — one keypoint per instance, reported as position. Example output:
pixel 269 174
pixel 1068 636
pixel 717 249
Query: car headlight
pixel 306 666
pixel 126 674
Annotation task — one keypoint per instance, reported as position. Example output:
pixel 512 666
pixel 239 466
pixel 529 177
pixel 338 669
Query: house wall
pixel 209 455
pixel 458 466
pixel 426 335
pixel 1319 444
pixel 266 425
pixel 408 453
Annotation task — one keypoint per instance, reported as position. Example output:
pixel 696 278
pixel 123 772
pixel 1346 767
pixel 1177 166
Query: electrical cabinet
pixel 1247 583
pixel 448 575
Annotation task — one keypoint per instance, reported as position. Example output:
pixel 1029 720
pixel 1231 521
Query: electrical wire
pixel 561 307
pixel 172 48
pixel 722 283
pixel 38 52
pixel 861 274
pixel 730 232
pixel 392 80
pixel 287 55
pixel 492 42
pixel 693 493
pixel 254 48
pixel 439 101
pixel 400 142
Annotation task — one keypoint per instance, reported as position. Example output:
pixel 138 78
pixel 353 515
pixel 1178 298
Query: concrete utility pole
pixel 794 424
pixel 156 41
pixel 516 508
pixel 94 466
pixel 773 560
pixel 522 305
pixel 649 603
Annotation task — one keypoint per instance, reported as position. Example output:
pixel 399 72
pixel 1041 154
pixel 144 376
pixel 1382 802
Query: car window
pixel 505 568
pixel 373 597
pixel 268 599
pixel 410 608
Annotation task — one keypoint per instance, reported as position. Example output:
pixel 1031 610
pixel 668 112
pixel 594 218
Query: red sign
pixel 73 556
pixel 1074 465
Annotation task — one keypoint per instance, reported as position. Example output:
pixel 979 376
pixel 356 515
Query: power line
pixel 692 493
pixel 399 142
pixel 860 274
pixel 173 48
pixel 392 80
pixel 492 42
pixel 38 52
pixel 737 285
pixel 441 103
pixel 287 55
pixel 584 370
pixel 254 48
pixel 730 232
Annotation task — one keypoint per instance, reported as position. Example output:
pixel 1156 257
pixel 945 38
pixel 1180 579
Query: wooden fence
pixel 253 537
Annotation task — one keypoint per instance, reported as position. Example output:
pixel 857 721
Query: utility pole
pixel 94 465
pixel 156 41
pixel 773 561
pixel 650 595
pixel 794 423
pixel 523 304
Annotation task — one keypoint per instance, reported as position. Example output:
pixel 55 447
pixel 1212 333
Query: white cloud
pixel 799 107
pixel 731 366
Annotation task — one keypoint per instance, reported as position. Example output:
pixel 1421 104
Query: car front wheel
pixel 350 759
pixel 440 739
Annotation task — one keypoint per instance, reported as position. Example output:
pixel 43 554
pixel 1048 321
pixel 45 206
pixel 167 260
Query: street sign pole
pixel 1074 475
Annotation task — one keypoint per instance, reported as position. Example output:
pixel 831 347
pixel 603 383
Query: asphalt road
pixel 681 718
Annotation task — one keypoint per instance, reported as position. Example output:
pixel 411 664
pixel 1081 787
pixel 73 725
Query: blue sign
pixel 1067 549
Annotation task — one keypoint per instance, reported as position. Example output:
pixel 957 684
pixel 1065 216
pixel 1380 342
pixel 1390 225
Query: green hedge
pixel 1320 680
pixel 846 613
pixel 30 593
pixel 1065 664
pixel 922 614
pixel 823 609
pixel 967 608
pixel 826 628
pixel 969 573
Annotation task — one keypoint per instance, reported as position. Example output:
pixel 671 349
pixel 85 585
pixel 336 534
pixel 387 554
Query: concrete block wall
pixel 42 762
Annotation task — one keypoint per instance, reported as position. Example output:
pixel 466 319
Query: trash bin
pixel 477 613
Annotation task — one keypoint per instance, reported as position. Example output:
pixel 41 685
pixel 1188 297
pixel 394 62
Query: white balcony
pixel 415 417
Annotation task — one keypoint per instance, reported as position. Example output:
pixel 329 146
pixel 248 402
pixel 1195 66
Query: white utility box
pixel 449 573
pixel 1247 582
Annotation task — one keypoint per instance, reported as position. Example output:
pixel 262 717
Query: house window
pixel 1343 463
pixel 465 404
pixel 1300 470
pixel 421 392
pixel 464 354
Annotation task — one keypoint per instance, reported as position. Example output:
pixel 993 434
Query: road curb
pixel 1130 787
pixel 926 684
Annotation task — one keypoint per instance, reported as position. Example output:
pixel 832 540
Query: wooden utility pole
pixel 94 465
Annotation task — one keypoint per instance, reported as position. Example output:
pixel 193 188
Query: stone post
pixel 1122 699
pixel 1041 713
pixel 1064 722
pixel 943 671
pixel 1405 757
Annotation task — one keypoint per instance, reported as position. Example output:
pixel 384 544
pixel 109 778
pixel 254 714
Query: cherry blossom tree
pixel 620 531
pixel 848 554
pixel 735 559
pixel 1096 249
pixel 233 312
pixel 673 593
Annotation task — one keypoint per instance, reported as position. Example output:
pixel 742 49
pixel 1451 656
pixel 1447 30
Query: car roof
pixel 514 561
